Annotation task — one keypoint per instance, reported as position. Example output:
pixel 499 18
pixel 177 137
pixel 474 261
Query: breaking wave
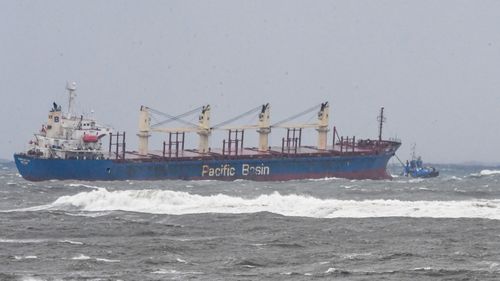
pixel 484 173
pixel 178 203
pixel 489 172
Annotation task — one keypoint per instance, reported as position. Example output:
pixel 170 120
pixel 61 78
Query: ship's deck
pixel 253 152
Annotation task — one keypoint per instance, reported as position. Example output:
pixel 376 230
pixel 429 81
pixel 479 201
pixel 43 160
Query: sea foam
pixel 178 203
pixel 489 172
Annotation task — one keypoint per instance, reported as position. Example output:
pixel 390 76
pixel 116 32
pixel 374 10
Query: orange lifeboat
pixel 90 138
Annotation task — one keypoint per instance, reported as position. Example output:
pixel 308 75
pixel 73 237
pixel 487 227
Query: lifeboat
pixel 90 138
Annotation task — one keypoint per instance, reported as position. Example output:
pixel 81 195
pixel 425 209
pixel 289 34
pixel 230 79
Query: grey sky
pixel 434 65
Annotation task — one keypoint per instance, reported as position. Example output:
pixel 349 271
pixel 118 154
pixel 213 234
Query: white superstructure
pixel 66 136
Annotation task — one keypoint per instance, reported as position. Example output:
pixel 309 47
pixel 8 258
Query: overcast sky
pixel 434 65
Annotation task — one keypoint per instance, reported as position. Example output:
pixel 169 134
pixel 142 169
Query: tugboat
pixel 415 168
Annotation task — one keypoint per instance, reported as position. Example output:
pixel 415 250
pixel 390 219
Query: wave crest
pixel 178 203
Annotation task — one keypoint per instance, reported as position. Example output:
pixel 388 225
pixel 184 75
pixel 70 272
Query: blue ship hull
pixel 249 168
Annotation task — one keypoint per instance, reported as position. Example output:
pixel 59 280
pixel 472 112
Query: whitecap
pixel 106 260
pixel 164 271
pixel 22 241
pixel 493 265
pixel 352 256
pixel 331 270
pixel 416 180
pixel 178 203
pixel 89 215
pixel 325 179
pixel 423 268
pixel 82 185
pixel 81 257
pixel 175 272
pixel 181 260
pixel 71 242
pixel 25 257
pixel 29 209
pixel 489 172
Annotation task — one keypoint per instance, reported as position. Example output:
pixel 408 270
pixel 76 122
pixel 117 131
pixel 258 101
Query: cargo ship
pixel 72 147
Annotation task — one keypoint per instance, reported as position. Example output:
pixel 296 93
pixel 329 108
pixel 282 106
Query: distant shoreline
pixel 462 164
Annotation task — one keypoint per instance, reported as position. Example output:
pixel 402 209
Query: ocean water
pixel 445 228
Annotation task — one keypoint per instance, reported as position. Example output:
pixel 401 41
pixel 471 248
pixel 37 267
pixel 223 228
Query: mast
pixel 71 87
pixel 322 128
pixel 381 120
pixel 413 149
